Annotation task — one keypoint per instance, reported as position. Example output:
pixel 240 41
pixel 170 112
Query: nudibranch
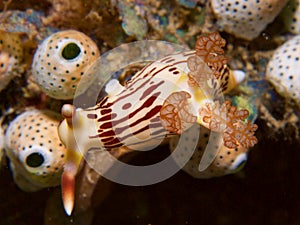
pixel 36 154
pixel 11 55
pixel 63 60
pixel 164 98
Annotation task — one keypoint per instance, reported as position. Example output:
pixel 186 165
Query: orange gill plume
pixel 231 121
pixel 218 117
pixel 210 49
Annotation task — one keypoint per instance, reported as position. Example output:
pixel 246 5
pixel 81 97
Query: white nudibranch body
pixel 36 155
pixel 63 60
pixel 165 98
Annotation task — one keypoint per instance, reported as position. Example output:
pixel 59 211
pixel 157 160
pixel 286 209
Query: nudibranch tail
pixel 68 181
pixel 73 156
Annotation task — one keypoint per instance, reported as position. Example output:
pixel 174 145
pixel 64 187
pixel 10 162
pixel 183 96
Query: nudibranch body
pixel 34 150
pixel 165 98
pixel 63 60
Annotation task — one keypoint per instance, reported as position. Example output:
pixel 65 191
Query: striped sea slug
pixel 163 99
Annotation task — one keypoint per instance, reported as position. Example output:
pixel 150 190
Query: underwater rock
pixel 28 22
pixel 11 55
pixel 34 150
pixel 188 3
pixel 283 69
pixel 246 19
pixel 133 22
pixel 62 61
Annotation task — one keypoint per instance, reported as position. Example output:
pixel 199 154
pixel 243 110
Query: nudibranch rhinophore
pixel 164 98
pixel 63 60
pixel 34 149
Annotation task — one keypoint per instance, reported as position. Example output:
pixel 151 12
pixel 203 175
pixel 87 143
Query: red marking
pixel 141 71
pixel 151 71
pixel 146 104
pixel 113 146
pixel 151 89
pixel 106 125
pixel 156 119
pixel 150 114
pixel 108 117
pixel 92 116
pixel 171 69
pixel 159 132
pixel 113 142
pixel 107 139
pixel 126 106
pixel 126 95
pixel 107 134
pixel 105 111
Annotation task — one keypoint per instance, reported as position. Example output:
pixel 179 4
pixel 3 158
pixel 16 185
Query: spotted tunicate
pixel 62 61
pixel 34 149
pixel 246 19
pixel 283 69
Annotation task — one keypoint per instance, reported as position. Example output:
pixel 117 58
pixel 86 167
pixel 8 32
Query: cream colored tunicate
pixel 283 69
pixel 63 61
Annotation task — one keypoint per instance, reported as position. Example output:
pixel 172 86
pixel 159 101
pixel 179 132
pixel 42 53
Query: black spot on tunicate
pixel 71 51
pixel 35 159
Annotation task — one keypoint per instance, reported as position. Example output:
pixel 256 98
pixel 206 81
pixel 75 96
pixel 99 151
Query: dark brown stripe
pixel 151 89
pixel 92 116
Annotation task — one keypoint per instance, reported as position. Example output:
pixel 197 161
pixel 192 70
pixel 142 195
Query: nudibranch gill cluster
pixel 63 60
pixel 164 99
pixel 34 149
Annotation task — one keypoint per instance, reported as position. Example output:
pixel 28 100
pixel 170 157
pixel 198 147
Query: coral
pixel 11 55
pixel 28 23
pixel 35 152
pixel 133 22
pixel 283 69
pixel 230 121
pixel 62 61
pixel 246 19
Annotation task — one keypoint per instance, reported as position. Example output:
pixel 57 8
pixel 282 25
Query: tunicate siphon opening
pixel 35 160
pixel 71 51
